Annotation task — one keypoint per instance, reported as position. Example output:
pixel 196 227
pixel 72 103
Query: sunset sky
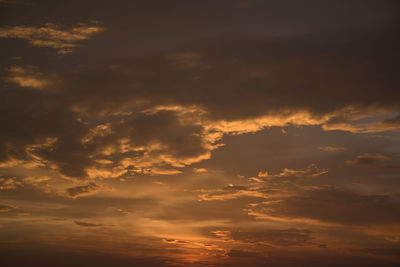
pixel 199 133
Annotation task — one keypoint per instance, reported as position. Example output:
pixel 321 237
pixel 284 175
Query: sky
pixel 199 133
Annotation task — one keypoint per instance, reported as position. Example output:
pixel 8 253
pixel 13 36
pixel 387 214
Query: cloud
pixel 40 182
pixel 28 77
pixel 9 183
pixel 6 208
pixel 287 199
pixel 86 224
pixel 234 253
pixel 152 116
pixel 368 159
pixel 11 2
pixel 122 211
pixel 132 91
pixel 13 183
pixel 185 60
pixel 392 121
pixel 329 205
pixel 271 237
pixel 234 191
pixel 331 148
pixel 52 35
pixel 312 170
pixel 155 106
pixel 150 143
pixel 83 190
pixel 27 137
pixel 36 180
pixel 200 170
pixel 263 186
pixel 256 70
pixel 389 124
pixel 362 128
pixel 383 251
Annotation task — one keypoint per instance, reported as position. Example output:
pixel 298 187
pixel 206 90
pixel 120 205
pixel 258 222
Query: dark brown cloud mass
pixel 77 191
pixel 368 159
pixel 85 224
pixel 331 205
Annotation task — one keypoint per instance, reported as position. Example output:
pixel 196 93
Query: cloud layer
pixel 199 133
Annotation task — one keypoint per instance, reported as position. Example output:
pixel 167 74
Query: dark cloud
pixel 241 253
pixel 147 136
pixel 246 76
pixel 205 211
pixel 32 122
pixel 392 121
pixel 233 77
pixel 6 208
pixel 331 206
pixel 83 190
pixel 86 224
pixel 286 237
pixel 388 251
pixel 41 255
pixel 368 159
pixel 268 237
pixel 254 69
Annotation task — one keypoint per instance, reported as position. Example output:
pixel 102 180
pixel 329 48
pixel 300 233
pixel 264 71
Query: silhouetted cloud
pixel 330 206
pixel 392 121
pixel 83 190
pixel 86 224
pixel 242 253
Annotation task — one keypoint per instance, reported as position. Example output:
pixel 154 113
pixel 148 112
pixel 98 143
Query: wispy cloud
pixel 84 190
pixel 53 35
pixel 311 170
pixel 331 148
pixel 367 159
pixel 6 208
pixel 86 224
pixel 263 186
pixel 9 183
pixel 28 77
pixel 324 206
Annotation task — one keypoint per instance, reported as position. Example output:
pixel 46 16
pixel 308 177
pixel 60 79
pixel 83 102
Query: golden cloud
pixel 28 77
pixel 52 35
